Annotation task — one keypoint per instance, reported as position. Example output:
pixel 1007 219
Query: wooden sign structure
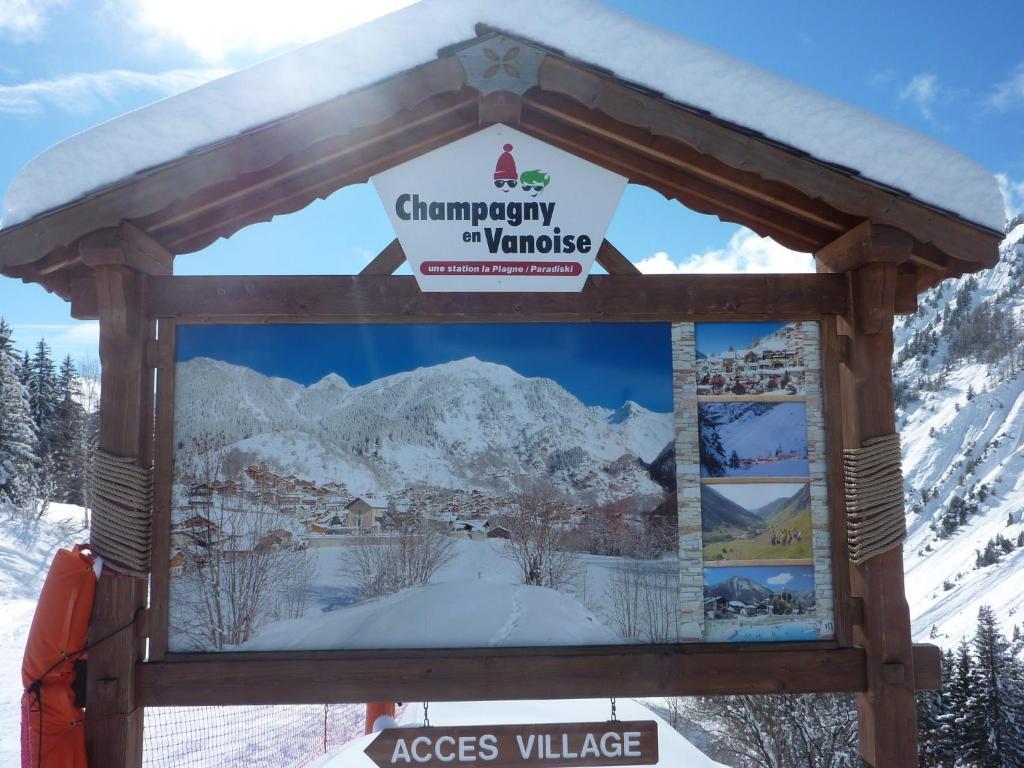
pixel 110 254
pixel 519 746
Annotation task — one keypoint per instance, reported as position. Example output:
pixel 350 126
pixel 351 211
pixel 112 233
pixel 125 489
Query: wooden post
pixel 888 718
pixel 113 721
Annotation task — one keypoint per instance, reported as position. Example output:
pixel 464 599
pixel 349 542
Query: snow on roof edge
pixel 700 78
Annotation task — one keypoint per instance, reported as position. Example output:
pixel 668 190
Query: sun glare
pixel 217 28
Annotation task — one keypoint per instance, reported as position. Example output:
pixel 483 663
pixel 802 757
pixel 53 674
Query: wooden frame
pixel 691 668
pixel 111 252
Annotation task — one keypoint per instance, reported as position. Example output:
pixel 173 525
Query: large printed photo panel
pixel 422 486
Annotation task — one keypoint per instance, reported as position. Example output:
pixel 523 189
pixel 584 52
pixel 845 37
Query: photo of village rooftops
pixel 759 604
pixel 749 359
pixel 327 515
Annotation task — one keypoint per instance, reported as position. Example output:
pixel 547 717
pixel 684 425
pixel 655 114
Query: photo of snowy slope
pixel 422 486
pixel 749 359
pixel 753 439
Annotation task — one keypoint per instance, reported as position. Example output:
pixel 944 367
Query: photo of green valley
pixel 756 521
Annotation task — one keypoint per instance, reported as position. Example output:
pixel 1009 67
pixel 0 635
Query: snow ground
pixel 684 70
pixel 26 549
pixel 673 750
pixel 476 600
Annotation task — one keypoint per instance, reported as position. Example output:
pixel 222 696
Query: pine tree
pixel 25 369
pixel 994 694
pixel 967 726
pixel 43 389
pixel 44 399
pixel 17 431
pixel 1013 743
pixel 933 748
pixel 67 438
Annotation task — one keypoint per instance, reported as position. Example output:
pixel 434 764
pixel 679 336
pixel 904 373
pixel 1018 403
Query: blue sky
pixel 602 364
pixel 950 69
pixel 718 337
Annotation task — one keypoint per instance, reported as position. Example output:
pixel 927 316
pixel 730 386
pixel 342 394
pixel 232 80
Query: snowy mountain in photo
pixel 960 397
pixel 465 423
pixel 756 432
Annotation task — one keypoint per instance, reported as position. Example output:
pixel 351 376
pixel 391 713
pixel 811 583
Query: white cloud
pixel 780 579
pixel 216 29
pixel 922 91
pixel 83 91
pixel 745 252
pixel 79 340
pixel 1009 93
pixel 1013 195
pixel 25 19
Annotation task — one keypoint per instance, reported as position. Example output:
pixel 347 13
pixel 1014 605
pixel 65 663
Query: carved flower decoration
pixel 502 62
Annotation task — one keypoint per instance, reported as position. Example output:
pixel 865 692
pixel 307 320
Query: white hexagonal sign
pixel 500 211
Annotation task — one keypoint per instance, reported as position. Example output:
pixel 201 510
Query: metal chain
pixel 426 714
pixel 615 717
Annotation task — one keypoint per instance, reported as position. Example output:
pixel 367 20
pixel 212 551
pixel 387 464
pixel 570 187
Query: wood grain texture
pixel 707 164
pixel 613 262
pixel 333 298
pixel 867 242
pixel 496 673
pixel 113 721
pixel 745 150
pixel 887 709
pixel 163 472
pixel 387 261
pixel 166 201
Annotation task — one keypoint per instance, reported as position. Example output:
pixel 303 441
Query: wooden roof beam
pixel 500 107
pixel 698 194
pixel 126 245
pixel 613 262
pixel 684 158
pixel 387 261
pixel 746 150
pixel 865 243
pixel 297 183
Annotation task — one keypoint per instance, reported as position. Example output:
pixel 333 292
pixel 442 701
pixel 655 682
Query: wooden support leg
pixel 888 718
pixel 113 723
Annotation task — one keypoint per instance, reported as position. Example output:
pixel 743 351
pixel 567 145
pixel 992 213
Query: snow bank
pixel 673 750
pixel 686 71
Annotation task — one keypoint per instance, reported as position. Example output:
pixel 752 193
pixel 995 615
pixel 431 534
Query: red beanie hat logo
pixel 505 174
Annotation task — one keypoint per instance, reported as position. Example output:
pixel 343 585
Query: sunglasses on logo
pixel 501 183
pixel 532 187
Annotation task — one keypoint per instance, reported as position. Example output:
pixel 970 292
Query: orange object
pixel 375 709
pixel 55 729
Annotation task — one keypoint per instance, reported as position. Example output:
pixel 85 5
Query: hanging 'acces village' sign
pixel 519 746
pixel 500 211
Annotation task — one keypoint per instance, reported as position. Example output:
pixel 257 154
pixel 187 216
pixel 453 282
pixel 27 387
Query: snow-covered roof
pixel 683 70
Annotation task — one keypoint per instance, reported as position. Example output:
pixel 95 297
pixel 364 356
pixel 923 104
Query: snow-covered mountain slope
pixel 960 397
pixel 458 424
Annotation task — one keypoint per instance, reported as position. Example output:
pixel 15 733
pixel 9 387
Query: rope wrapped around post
pixel 120 494
pixel 875 520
